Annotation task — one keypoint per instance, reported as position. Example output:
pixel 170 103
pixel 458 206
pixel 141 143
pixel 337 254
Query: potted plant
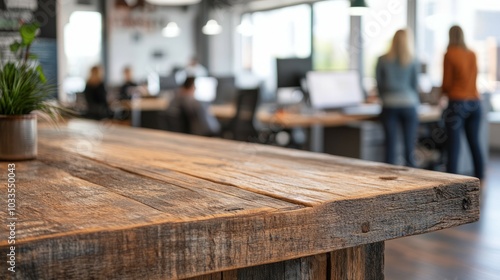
pixel 23 90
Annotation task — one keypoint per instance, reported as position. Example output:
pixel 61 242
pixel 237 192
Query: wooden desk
pixel 224 111
pixel 104 202
pixel 328 119
pixel 138 106
pixel 291 119
pixel 284 120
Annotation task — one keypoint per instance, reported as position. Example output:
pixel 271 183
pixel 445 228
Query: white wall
pixel 135 47
pixel 222 48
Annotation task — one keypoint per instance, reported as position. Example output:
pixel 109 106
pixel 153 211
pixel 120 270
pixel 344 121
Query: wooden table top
pixel 109 201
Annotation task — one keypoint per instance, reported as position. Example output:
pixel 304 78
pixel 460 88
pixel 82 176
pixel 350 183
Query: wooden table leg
pixel 360 262
pixel 365 262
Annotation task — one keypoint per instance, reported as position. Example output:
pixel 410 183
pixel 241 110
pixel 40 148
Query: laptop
pixel 341 91
pixel 206 89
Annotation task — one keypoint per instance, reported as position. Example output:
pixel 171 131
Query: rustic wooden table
pixel 106 202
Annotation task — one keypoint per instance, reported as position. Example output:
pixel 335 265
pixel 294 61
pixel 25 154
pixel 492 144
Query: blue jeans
pixel 407 119
pixel 463 115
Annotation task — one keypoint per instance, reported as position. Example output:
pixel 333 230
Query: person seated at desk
pixel 125 89
pixel 96 96
pixel 396 74
pixel 188 115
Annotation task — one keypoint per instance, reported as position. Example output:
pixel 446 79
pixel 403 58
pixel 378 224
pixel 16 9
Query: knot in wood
pixel 233 209
pixel 388 178
pixel 466 203
pixel 365 227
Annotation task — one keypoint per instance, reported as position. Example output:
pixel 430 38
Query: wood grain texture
pixel 104 202
pixel 306 268
pixel 360 262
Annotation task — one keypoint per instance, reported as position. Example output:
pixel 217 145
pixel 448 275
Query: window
pixel 279 33
pixel 380 23
pixel 82 42
pixel 479 19
pixel 331 31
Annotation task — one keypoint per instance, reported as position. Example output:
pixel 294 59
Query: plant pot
pixel 18 137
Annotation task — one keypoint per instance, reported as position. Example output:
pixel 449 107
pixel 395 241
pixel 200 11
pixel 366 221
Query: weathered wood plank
pixel 178 194
pixel 186 249
pixel 141 204
pixel 306 268
pixel 358 263
pixel 212 276
pixel 62 194
pixel 257 168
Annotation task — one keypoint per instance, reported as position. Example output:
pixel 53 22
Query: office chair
pixel 175 121
pixel 226 90
pixel 241 126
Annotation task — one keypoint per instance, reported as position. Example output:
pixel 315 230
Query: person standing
pixel 464 107
pixel 396 74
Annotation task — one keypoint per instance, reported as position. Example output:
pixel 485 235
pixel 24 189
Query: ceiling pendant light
pixel 358 7
pixel 171 30
pixel 211 28
pixel 173 2
pixel 245 28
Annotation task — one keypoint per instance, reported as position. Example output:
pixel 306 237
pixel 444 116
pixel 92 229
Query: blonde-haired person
pixel 464 107
pixel 396 75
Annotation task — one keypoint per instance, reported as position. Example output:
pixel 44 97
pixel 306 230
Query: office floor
pixel 468 252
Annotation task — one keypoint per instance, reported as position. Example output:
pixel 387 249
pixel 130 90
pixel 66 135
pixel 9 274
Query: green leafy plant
pixel 23 86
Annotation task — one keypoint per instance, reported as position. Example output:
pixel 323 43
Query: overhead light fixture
pixel 171 30
pixel 173 2
pixel 245 28
pixel 211 28
pixel 358 7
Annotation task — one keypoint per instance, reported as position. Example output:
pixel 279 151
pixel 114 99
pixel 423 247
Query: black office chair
pixel 226 90
pixel 175 121
pixel 241 126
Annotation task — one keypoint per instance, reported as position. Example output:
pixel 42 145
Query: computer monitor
pixel 168 82
pixel 153 84
pixel 330 90
pixel 290 71
pixel 226 89
pixel 206 89
pixel 289 96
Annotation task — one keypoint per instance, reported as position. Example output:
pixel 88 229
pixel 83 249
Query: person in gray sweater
pixel 396 75
pixel 188 115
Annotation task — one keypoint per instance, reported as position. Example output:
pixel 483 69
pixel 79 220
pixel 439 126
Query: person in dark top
pixel 188 115
pixel 95 95
pixel 125 89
